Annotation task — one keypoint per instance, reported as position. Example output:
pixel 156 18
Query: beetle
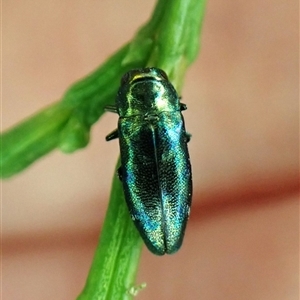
pixel 155 165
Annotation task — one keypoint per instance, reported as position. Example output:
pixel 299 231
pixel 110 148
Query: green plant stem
pixel 113 271
pixel 32 139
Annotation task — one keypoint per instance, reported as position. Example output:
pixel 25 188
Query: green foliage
pixel 170 41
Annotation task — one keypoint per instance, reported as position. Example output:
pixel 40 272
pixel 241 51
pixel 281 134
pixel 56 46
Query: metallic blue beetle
pixel 155 165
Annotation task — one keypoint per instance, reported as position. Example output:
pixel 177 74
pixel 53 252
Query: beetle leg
pixel 183 106
pixel 113 135
pixel 119 171
pixel 188 137
pixel 111 108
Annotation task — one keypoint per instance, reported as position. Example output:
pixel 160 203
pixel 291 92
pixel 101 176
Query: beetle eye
pixel 163 74
pixel 125 78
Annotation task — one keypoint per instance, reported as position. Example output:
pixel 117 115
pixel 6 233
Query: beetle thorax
pixel 149 97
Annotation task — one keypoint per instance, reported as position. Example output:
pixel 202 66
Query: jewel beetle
pixel 155 165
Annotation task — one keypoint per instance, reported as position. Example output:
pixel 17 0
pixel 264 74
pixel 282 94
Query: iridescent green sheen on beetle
pixel 155 165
